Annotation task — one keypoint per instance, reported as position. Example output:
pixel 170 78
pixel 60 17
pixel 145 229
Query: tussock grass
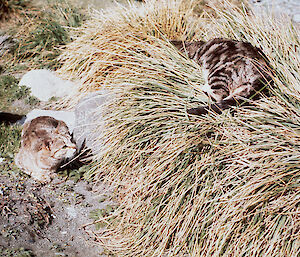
pixel 48 28
pixel 217 185
pixel 109 42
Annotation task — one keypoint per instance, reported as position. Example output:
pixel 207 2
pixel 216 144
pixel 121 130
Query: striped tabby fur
pixel 234 71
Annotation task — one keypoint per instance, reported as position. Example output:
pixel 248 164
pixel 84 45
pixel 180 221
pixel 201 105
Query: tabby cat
pixel 45 144
pixel 234 71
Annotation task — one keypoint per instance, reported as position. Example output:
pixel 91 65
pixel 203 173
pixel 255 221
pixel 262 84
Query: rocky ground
pixel 49 220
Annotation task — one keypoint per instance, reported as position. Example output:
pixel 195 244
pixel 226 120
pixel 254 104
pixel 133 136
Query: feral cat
pixel 45 144
pixel 234 71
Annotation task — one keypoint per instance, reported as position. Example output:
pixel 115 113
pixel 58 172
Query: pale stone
pixel 45 84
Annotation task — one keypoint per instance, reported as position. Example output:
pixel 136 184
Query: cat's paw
pixel 43 177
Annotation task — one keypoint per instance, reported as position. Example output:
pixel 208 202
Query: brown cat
pixel 45 144
pixel 234 71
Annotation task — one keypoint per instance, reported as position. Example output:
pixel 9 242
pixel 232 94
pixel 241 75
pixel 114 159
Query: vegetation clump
pixel 215 185
pixel 10 92
pixel 47 30
pixel 21 252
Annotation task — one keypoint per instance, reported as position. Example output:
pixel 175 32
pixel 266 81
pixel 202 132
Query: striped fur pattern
pixel 234 71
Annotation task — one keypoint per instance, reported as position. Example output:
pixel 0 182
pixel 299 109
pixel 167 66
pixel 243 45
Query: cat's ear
pixel 188 48
pixel 25 128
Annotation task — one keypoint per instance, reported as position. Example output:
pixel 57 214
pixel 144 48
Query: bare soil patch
pixel 48 220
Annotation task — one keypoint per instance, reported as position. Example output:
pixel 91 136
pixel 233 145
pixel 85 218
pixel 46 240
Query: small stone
pixel 72 212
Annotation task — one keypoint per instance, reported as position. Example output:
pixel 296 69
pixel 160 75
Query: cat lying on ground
pixel 234 71
pixel 64 130
pixel 45 145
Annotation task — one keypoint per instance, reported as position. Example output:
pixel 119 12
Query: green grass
pixel 48 31
pixel 48 28
pixel 21 252
pixel 9 140
pixel 10 92
pixel 9 146
pixel 76 174
pixel 102 214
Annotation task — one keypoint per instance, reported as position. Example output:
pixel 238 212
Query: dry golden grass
pixel 217 185
pixel 109 40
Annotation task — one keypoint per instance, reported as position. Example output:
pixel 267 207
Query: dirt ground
pixel 49 220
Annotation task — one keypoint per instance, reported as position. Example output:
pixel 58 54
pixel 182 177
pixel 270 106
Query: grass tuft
pixel 215 185
pixel 9 146
pixel 47 30
pixel 11 93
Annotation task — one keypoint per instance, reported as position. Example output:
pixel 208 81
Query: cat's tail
pixel 11 118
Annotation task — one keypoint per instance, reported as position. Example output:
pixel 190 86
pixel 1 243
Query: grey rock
pixel 289 8
pixel 89 121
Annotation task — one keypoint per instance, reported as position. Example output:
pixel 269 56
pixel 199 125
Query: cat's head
pixel 58 150
pixel 53 142
pixel 45 144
